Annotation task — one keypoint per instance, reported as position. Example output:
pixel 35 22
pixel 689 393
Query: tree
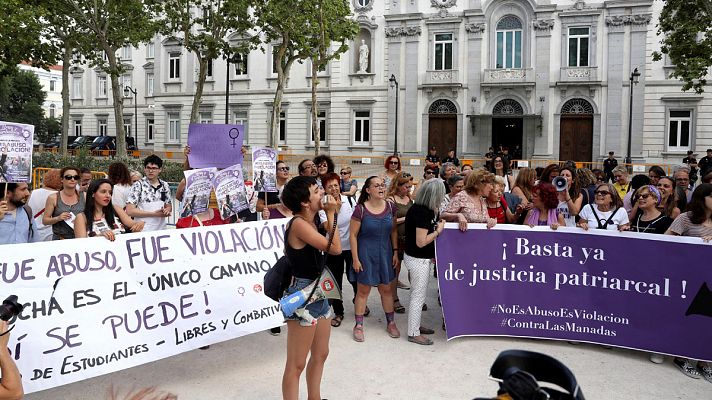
pixel 103 27
pixel 284 24
pixel 686 27
pixel 331 23
pixel 202 26
pixel 21 24
pixel 21 98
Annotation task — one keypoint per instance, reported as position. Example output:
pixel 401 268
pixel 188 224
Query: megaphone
pixel 560 183
pixel 323 288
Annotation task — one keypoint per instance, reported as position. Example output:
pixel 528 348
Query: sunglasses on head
pixel 72 177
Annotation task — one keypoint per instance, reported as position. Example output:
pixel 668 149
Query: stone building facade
pixel 549 78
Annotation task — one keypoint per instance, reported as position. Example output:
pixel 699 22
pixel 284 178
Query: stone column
pixel 395 46
pixel 409 95
pixel 614 139
pixel 640 23
pixel 534 145
pixel 473 140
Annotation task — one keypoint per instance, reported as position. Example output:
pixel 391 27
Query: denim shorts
pixel 317 309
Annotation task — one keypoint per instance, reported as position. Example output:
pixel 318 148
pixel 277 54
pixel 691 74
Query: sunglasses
pixel 645 196
pixel 429 172
pixel 344 173
pixel 286 169
pixel 72 177
pixel 395 162
pixel 602 192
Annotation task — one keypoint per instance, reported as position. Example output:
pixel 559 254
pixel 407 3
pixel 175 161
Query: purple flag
pixel 640 291
pixel 215 145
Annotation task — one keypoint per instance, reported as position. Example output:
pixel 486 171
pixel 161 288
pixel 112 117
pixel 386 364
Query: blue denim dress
pixel 375 250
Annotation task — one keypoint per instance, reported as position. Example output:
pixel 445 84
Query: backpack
pixel 278 278
pixel 30 230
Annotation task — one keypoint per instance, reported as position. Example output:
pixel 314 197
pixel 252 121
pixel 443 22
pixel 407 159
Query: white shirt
pixel 342 222
pixel 37 201
pixel 120 195
pixel 620 218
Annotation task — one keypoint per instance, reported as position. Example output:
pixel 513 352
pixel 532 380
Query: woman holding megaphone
pixel 303 247
pixel 569 194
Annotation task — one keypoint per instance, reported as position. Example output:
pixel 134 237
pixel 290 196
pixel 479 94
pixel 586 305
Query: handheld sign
pixel 264 169
pixel 230 191
pixel 16 152
pixel 215 145
pixel 198 185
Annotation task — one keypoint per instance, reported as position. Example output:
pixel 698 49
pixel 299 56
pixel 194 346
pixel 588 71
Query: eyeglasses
pixel 429 172
pixel 283 169
pixel 380 185
pixel 152 168
pixel 344 173
pixel 645 196
pixel 602 192
pixel 72 177
pixel 406 175
pixel 395 162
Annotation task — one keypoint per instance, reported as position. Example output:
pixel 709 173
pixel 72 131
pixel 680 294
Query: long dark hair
pixel 505 167
pixel 90 205
pixel 575 187
pixel 364 195
pixel 697 207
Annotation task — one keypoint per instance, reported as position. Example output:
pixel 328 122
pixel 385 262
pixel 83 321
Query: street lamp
pixel 634 79
pixel 394 83
pixel 128 90
pixel 233 58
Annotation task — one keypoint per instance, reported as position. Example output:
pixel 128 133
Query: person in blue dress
pixel 374 247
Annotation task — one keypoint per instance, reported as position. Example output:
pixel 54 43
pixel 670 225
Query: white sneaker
pixel 657 358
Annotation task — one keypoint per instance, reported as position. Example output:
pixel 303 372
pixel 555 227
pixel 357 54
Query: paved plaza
pixel 383 368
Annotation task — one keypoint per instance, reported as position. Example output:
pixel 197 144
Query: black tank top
pixel 305 262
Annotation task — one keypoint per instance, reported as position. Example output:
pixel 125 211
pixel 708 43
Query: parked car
pixel 103 143
pixel 52 145
pixel 81 141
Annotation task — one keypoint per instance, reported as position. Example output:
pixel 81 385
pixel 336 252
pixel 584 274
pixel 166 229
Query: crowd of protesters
pixel 388 223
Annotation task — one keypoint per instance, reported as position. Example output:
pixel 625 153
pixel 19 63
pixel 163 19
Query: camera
pixel 10 308
pixel 560 183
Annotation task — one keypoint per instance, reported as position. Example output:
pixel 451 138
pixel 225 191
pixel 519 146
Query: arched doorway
pixel 507 126
pixel 442 126
pixel 576 134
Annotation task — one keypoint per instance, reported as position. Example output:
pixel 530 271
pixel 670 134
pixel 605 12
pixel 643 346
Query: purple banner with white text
pixel 639 291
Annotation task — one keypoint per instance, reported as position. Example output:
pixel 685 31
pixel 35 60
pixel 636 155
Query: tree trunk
pixel 315 107
pixel 117 93
pixel 276 110
pixel 202 72
pixel 66 62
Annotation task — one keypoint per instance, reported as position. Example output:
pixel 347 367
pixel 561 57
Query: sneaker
pixel 422 340
pixel 687 368
pixel 358 333
pixel 392 330
pixel 275 331
pixel 706 371
pixel 657 358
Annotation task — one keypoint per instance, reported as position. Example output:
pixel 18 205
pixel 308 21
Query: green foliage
pixel 21 27
pixel 21 98
pixel 172 171
pixel 686 27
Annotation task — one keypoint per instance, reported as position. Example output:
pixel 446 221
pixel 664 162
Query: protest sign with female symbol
pixel 15 152
pixel 230 191
pixel 198 185
pixel 215 145
pixel 264 169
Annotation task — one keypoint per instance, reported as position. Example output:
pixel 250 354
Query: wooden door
pixel 576 138
pixel 442 133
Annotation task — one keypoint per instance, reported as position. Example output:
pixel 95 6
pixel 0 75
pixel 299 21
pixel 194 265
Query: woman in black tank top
pixel 304 245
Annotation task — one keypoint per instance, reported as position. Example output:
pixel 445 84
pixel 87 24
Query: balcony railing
pixel 579 74
pixel 508 76
pixel 449 77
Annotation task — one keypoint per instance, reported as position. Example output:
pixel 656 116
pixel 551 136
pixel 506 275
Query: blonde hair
pixel 346 169
pixel 401 179
pixel 523 181
pixel 477 178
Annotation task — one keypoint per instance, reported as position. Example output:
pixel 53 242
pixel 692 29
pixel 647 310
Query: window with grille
pixel 509 42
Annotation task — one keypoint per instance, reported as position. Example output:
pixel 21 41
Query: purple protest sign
pixel 15 152
pixel 640 291
pixel 198 185
pixel 215 145
pixel 230 191
pixel 264 169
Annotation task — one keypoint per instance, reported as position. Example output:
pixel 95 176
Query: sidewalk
pixel 391 369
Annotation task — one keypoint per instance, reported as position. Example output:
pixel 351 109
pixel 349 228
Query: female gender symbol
pixel 237 134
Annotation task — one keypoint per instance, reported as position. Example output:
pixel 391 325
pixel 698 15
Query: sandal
pixel 367 312
pixel 336 322
pixel 398 307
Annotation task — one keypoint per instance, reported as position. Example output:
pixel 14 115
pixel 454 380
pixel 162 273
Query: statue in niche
pixel 363 58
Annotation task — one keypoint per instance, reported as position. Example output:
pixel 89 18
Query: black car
pixel 103 143
pixel 81 141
